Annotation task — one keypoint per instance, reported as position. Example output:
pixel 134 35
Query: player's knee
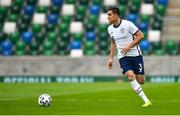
pixel 130 76
pixel 141 81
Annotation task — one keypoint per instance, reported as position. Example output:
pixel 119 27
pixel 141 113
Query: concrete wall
pixel 94 66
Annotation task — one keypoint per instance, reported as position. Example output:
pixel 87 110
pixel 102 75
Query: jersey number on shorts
pixel 140 67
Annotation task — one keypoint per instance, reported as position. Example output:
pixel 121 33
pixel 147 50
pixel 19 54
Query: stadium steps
pixel 172 21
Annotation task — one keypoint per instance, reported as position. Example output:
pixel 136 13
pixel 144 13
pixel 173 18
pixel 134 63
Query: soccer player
pixel 125 37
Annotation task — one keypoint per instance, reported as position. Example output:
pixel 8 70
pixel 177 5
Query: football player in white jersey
pixel 125 37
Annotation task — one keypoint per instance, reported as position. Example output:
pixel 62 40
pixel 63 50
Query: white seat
pixel 154 35
pixel 76 53
pixel 147 9
pixel 46 3
pixel 68 9
pixel 39 18
pixel 103 18
pixel 110 2
pixel 9 27
pixel 5 2
pixel 76 27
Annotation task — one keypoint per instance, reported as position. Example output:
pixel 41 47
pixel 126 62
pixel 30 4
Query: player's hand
pixel 110 64
pixel 125 50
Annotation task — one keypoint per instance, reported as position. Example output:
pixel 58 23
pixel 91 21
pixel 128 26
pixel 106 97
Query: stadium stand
pixel 78 27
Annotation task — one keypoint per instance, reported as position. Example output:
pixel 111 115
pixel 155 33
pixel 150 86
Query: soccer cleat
pixel 147 104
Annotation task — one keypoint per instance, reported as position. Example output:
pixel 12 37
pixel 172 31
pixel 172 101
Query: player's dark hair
pixel 114 10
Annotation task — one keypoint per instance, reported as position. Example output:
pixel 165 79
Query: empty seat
pixel 34 48
pixel 171 47
pixel 147 9
pixel 5 2
pixel 39 18
pixel 68 9
pixel 46 3
pixel 154 35
pixel 94 9
pixel 20 48
pixel 76 27
pixel 103 18
pixel 14 37
pixel 6 47
pixel 9 27
pixel 145 46
pixel 27 37
pixel 57 2
pixel 110 2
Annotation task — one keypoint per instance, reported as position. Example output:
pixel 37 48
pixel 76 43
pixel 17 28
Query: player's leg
pixel 139 69
pixel 140 79
pixel 128 71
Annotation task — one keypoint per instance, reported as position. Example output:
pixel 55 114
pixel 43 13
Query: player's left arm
pixel 138 36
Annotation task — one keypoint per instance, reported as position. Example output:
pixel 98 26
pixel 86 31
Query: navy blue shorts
pixel 132 63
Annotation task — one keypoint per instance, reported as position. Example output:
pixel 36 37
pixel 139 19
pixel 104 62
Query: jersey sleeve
pixel 132 28
pixel 109 33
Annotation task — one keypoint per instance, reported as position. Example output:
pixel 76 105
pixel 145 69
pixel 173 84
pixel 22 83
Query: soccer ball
pixel 44 100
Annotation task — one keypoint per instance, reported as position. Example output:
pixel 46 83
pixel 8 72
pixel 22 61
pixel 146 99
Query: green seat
pixel 90 27
pixel 96 2
pixel 26 19
pixel 156 45
pixel 103 36
pixel 14 37
pixel 36 28
pixel 20 48
pixel 79 17
pixel 34 48
pixel 52 36
pixel 50 27
pixel 89 48
pixel 145 33
pixel 70 1
pixel 102 27
pixel 92 19
pixel 13 18
pixel 160 10
pixel 136 3
pixel 2 19
pixel 81 9
pixel 23 27
pixel 48 48
pixel 122 10
pixel 16 9
pixel 3 10
pixel 157 26
pixel 158 18
pixel 55 9
pixel 171 47
pixel 40 37
pixel 62 48
pixel 3 36
pixel 63 27
pixel 123 2
pixel 145 18
pixel 66 19
pixel 103 48
pixel 134 9
pixel 159 52
pixel 18 3
pixel 42 9
pixel 31 2
pixel 84 2
pixel 78 36
pixel 149 1
pixel 65 36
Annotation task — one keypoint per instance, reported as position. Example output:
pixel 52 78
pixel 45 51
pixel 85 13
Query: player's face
pixel 112 17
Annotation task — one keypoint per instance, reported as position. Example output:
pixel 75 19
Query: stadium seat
pixel 145 18
pixel 27 37
pixel 31 2
pixel 91 36
pixel 16 9
pixel 18 3
pixel 162 2
pixel 132 18
pixel 96 2
pixel 29 10
pixel 63 27
pixel 62 48
pixel 123 2
pixel 34 48
pixel 46 3
pixel 103 18
pixel 147 9
pixel 52 36
pixel 55 10
pixel 149 1
pixel 5 3
pixel 143 26
pixel 52 19
pixel 36 28
pixel 39 18
pixel 14 37
pixel 68 9
pixel 84 2
pixel 90 27
pixel 6 47
pixel 160 10
pixel 94 10
pixel 134 9
pixel 9 27
pixel 154 35
pixel 57 2
pixel 76 53
pixel 122 10
pixel 76 27
pixel 42 9
pixel 89 48
pixel 12 18
pixel 50 27
pixel 110 3
pixel 77 36
pixel 171 47
pixel 40 37
pixel 48 48
pixel 3 36
pixel 70 1
pixel 145 46
pixel 20 48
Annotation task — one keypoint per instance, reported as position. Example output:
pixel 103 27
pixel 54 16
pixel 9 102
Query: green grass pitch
pixel 89 99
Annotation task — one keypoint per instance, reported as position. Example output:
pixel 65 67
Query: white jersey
pixel 123 35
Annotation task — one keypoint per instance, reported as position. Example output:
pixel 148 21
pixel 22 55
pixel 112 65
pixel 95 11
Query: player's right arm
pixel 111 55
